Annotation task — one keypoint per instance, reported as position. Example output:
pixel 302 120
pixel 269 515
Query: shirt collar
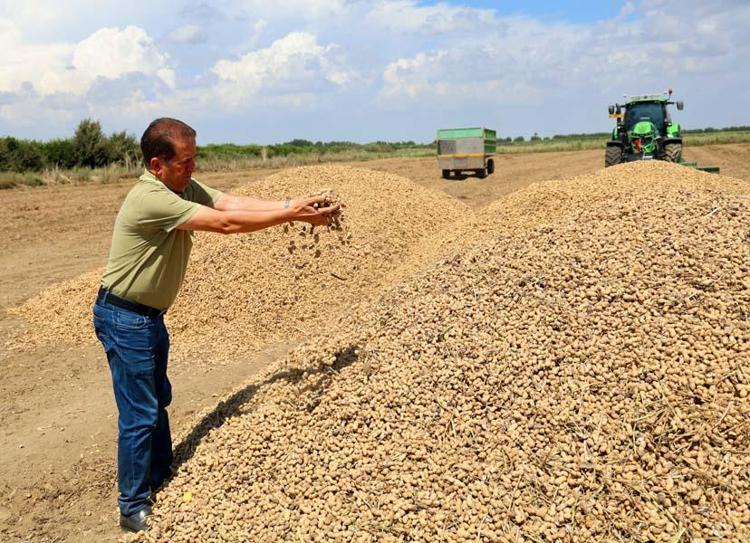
pixel 148 176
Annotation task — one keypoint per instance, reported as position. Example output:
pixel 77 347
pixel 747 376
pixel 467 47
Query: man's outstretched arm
pixel 237 221
pixel 230 202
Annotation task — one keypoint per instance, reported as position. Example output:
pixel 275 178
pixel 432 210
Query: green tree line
pixel 89 148
pixel 711 130
pixel 301 147
pixel 536 138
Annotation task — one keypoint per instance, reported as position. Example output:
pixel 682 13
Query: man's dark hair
pixel 159 138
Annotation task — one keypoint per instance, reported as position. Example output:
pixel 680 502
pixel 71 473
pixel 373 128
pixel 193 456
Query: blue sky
pixel 252 71
pixel 575 11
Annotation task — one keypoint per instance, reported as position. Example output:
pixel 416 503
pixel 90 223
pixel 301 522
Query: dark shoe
pixel 137 522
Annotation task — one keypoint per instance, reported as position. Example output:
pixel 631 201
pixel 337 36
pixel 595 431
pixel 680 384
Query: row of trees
pixel 599 135
pixel 536 138
pixel 89 148
pixel 711 130
pixel 301 147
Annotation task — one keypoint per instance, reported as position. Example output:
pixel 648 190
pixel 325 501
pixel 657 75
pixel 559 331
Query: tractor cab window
pixel 645 111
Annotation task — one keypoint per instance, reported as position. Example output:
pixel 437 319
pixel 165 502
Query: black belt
pixel 106 296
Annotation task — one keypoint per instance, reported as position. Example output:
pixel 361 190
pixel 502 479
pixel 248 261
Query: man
pixel 151 244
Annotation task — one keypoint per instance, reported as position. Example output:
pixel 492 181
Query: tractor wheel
pixel 673 152
pixel 613 156
pixel 446 174
pixel 481 173
pixel 490 167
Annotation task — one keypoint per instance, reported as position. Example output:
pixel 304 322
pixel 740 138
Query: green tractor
pixel 644 130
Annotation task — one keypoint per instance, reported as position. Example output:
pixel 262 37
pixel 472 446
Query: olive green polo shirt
pixel 149 255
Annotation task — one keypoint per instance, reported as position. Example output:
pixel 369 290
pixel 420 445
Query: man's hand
pixel 308 209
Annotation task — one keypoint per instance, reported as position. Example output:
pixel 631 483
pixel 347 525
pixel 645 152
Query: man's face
pixel 176 173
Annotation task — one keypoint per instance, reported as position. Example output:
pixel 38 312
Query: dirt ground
pixel 58 438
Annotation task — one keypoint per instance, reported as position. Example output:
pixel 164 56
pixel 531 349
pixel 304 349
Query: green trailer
pixel 462 150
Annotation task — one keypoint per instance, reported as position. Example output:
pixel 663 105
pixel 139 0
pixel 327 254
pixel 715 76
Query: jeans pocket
pixel 99 324
pixel 131 321
pixel 100 313
pixel 101 319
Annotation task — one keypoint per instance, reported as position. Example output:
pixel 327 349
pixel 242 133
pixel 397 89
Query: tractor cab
pixel 653 112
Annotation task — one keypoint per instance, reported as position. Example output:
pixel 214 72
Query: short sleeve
pixel 164 210
pixel 203 194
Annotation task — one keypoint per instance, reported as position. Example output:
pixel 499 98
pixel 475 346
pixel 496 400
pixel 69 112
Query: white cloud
pixel 111 53
pixel 293 66
pixel 109 72
pixel 260 26
pixel 42 13
pixel 628 8
pixel 522 59
pixel 191 34
pixel 108 53
pixel 24 62
pixel 450 80
pixel 409 16
pixel 413 77
pixel 305 9
pixel 381 62
pixel 510 66
pixel 202 11
pixel 49 21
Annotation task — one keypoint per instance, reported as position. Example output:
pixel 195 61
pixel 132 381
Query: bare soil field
pixel 58 439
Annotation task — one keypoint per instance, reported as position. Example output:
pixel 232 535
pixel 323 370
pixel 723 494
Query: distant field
pixel 208 163
pixel 232 158
pixel 219 162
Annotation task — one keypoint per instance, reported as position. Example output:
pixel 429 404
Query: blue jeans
pixel 137 348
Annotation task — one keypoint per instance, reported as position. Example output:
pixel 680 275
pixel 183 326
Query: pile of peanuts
pixel 574 365
pixel 244 292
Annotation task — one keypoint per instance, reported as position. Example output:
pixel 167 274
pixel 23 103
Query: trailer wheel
pixel 481 173
pixel 490 167
pixel 446 174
